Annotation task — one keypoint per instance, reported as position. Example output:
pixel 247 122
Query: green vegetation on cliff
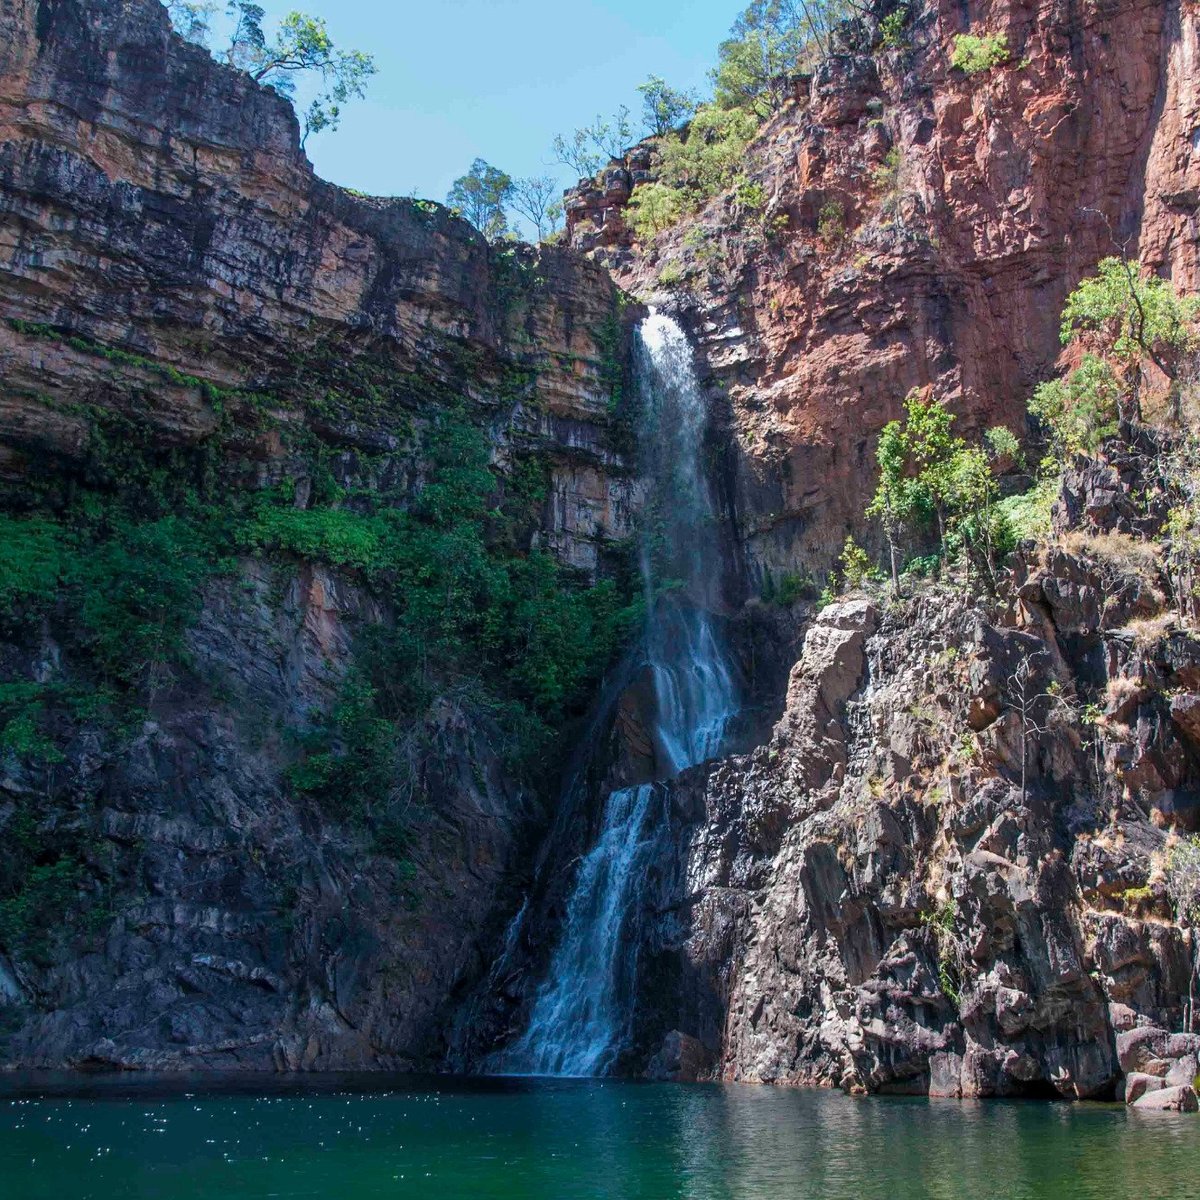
pixel 973 54
pixel 930 476
pixel 105 566
pixel 1132 333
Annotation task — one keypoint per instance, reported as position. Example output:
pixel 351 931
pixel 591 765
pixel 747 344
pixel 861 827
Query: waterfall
pixel 582 1013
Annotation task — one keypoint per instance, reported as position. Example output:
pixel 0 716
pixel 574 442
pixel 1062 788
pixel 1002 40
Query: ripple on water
pixel 570 1140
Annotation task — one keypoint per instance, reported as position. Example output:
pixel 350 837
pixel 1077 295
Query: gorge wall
pixel 186 309
pixel 959 211
pixel 902 888
pixel 908 888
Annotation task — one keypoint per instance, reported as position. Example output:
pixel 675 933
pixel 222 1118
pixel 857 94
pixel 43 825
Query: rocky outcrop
pixel 922 227
pixel 946 871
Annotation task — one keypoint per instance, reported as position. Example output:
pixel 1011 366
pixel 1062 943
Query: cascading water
pixel 582 1012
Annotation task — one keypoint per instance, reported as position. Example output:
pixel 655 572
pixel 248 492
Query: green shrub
pixel 336 536
pixel 21 734
pixel 1002 443
pixel 652 208
pixel 923 566
pixel 941 922
pixel 349 760
pixel 974 54
pixel 831 223
pixel 708 156
pixel 31 561
pixel 750 195
pixel 43 905
pixel 1028 514
pixel 794 586
pixel 671 274
pixel 856 564
pixel 891 30
pixel 888 177
pixel 137 592
pixel 1080 411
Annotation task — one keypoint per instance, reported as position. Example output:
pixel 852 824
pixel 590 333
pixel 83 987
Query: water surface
pixel 355 1137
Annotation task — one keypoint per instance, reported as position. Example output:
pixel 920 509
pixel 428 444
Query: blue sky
pixel 496 79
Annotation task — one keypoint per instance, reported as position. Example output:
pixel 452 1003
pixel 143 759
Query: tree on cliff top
pixel 665 108
pixel 755 64
pixel 300 49
pixel 480 196
pixel 191 18
pixel 536 199
pixel 766 45
pixel 589 148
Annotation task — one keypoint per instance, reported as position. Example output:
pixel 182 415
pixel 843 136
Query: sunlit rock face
pixel 155 201
pixel 908 888
pixel 959 211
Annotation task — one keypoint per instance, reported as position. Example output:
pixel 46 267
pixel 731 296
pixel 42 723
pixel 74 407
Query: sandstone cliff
pixel 187 310
pixel 921 226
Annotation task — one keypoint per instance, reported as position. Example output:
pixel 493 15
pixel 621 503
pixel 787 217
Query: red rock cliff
pixel 961 210
pixel 158 202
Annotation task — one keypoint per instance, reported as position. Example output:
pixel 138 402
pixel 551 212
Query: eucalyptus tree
pixel 299 51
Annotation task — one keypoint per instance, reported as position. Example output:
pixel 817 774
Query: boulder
pixel 1171 1099
pixel 1143 1049
pixel 1139 1084
pixel 1179 1044
pixel 1183 1071
pixel 1185 712
pixel 1122 1017
pixel 680 1059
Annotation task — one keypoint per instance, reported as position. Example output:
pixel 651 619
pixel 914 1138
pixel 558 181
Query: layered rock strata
pixel 175 277
pixel 948 870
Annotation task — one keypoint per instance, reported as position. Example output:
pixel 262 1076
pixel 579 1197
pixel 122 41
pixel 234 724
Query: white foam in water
pixel 581 1017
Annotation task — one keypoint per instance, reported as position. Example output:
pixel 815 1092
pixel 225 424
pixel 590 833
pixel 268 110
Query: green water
pixel 351 1137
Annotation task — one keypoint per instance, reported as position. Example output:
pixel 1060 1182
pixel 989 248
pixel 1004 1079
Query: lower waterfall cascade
pixel 581 1016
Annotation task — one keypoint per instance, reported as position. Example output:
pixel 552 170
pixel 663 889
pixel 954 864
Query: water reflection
pixel 501 1139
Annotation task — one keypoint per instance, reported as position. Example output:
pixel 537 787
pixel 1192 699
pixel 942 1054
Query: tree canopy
pixel 481 196
pixel 927 473
pixel 300 49
pixel 536 199
pixel 1122 320
pixel 665 108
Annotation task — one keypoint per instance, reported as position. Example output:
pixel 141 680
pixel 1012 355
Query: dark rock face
pixel 912 887
pixel 162 235
pixel 246 931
